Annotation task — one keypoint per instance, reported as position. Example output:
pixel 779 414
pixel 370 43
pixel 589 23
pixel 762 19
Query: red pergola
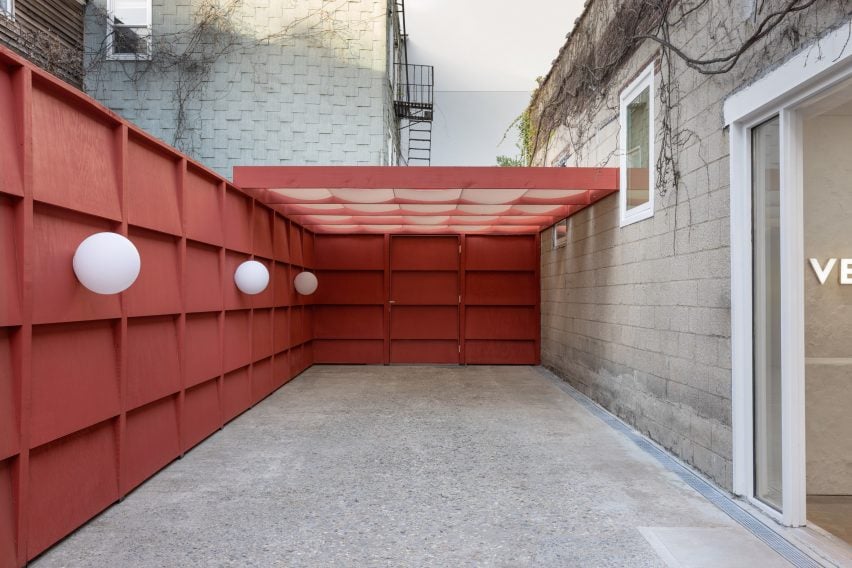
pixel 426 200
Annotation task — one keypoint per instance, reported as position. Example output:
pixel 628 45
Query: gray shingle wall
pixel 304 83
pixel 638 317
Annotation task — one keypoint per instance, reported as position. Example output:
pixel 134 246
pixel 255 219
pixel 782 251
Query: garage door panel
pixel 501 322
pixel 424 351
pixel 481 352
pixel 424 253
pixel 421 322
pixel 425 288
pixel 502 288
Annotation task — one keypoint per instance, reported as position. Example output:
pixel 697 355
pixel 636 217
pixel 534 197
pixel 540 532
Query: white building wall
pixel 306 84
pixel 487 55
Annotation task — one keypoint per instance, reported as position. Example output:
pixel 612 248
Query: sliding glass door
pixel 766 235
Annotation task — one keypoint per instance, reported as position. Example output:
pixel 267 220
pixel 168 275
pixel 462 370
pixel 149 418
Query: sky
pixel 488 45
pixel 487 55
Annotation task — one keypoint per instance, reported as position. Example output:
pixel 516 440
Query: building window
pixel 560 233
pixel 7 7
pixel 130 29
pixel 636 141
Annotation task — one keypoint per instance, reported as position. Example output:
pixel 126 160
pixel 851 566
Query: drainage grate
pixel 754 525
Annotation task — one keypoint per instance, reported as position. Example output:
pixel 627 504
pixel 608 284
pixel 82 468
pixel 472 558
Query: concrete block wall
pixel 305 83
pixel 638 317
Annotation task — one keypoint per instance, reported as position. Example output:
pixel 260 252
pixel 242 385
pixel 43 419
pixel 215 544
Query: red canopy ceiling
pixel 389 199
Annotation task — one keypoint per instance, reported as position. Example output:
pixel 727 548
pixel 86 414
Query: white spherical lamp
pixel 306 283
pixel 251 277
pixel 106 263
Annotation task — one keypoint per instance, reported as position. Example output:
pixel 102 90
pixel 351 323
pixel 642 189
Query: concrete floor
pixel 414 466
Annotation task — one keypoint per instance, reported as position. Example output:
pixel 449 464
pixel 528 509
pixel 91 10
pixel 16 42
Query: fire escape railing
pixel 413 89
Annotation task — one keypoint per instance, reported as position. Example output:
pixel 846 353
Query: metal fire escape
pixel 413 91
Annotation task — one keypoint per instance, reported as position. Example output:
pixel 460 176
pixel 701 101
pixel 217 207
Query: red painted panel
pixel 152 187
pixel 9 432
pixel 341 287
pixel 425 177
pixel 71 480
pixel 57 295
pixel 237 339
pixel 263 232
pixel 157 290
pixel 203 280
pixel 151 441
pixel 424 351
pixel 494 322
pixel 301 358
pixel 501 352
pixel 424 253
pixel 236 394
pixel 202 212
pixel 262 345
pixel 308 252
pixel 261 379
pixel 348 322
pixel 281 368
pixel 10 298
pixel 265 299
pixel 238 233
pixel 234 299
pixel 489 252
pixel 296 244
pixel 8 538
pixel 153 363
pixel 75 378
pixel 350 351
pixel 200 413
pixel 201 352
pixel 350 252
pixel 85 178
pixel 501 288
pixel 280 329
pixel 281 239
pixel 425 288
pixel 10 164
pixel 424 322
pixel 280 276
pixel 298 326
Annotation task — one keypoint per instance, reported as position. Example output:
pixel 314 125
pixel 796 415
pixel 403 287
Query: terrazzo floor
pixel 413 466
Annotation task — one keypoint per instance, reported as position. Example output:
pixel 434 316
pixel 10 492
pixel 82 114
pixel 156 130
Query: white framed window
pixel 129 33
pixel 7 8
pixel 636 148
pixel 560 233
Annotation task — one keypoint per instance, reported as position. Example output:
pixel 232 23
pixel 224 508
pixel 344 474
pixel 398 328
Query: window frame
pixel 555 239
pixel 10 12
pixel 111 34
pixel 645 80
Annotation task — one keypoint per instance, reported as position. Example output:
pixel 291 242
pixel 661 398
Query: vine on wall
pixel 580 87
pixel 218 31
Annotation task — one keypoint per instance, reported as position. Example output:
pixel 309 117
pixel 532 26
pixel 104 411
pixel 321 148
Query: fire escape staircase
pixel 413 94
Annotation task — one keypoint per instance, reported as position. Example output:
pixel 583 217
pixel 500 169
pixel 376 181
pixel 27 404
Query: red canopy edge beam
pixel 424 177
pixel 539 220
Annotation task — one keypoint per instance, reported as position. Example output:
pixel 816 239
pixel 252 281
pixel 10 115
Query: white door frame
pixel 780 93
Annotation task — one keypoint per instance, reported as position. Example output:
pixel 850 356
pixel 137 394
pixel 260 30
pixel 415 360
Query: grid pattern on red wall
pixel 99 392
pixel 457 299
pixel 501 299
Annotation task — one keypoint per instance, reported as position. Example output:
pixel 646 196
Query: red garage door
pixel 424 299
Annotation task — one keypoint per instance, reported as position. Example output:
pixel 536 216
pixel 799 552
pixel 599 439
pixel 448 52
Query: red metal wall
pixel 99 392
pixel 455 299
